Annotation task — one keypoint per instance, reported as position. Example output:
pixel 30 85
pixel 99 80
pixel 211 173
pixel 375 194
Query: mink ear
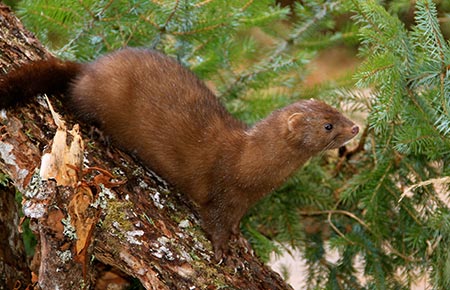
pixel 294 120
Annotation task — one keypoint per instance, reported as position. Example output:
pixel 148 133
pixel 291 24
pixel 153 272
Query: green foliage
pixel 406 70
pixel 253 55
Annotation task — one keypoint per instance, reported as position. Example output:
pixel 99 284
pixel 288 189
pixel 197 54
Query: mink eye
pixel 328 127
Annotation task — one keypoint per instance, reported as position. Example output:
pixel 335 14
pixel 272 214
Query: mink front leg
pixel 221 218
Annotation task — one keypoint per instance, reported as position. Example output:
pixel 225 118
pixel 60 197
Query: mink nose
pixel 355 130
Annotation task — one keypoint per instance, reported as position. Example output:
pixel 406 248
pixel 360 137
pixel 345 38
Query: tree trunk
pixel 99 217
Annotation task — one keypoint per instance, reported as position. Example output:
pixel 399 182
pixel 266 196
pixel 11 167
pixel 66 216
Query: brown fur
pixel 50 76
pixel 156 109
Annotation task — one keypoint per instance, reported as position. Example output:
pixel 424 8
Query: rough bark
pixel 13 265
pixel 113 215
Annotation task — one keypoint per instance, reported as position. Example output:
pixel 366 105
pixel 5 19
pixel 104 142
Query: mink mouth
pixel 331 145
pixel 346 142
pixel 336 143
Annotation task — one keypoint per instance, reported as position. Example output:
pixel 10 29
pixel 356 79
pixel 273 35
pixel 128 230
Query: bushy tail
pixel 52 76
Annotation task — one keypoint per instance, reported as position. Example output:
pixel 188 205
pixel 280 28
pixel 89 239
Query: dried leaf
pixel 59 164
pixel 82 220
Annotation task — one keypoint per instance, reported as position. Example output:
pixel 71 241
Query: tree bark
pixel 103 210
pixel 13 263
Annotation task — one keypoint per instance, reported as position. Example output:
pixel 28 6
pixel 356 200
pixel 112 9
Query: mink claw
pixel 245 244
pixel 218 256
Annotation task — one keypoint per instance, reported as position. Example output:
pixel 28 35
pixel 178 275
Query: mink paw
pixel 218 256
pixel 243 243
pixel 228 260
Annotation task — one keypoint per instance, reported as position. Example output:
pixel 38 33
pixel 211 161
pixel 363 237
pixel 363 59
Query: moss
pixel 116 217
pixel 91 145
pixel 208 273
pixel 149 219
pixel 29 134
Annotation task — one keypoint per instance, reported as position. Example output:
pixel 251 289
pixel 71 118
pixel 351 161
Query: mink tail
pixel 51 76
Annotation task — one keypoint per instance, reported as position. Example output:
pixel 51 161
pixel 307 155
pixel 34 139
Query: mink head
pixel 316 126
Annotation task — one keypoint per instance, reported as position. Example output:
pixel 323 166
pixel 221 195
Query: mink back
pixel 155 108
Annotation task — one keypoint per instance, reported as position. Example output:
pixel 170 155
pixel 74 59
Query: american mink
pixel 153 107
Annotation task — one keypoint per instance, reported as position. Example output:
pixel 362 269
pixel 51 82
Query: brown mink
pixel 154 108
